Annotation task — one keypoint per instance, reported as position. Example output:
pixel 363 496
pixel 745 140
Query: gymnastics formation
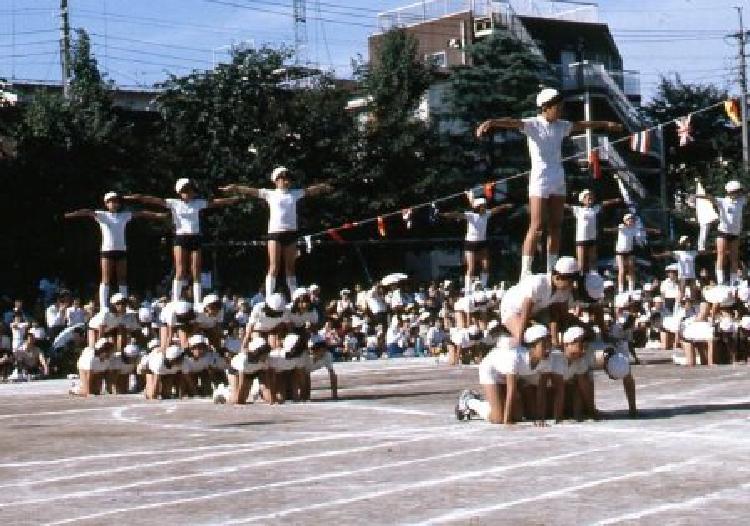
pixel 536 343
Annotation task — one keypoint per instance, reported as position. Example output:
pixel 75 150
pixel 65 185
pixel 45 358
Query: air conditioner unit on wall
pixel 454 43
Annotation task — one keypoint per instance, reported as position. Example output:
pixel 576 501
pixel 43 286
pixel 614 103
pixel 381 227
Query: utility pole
pixel 65 47
pixel 742 37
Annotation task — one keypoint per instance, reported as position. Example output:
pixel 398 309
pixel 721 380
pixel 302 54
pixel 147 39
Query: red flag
pixel 734 112
pixel 334 233
pixel 489 191
pixel 595 165
pixel 381 226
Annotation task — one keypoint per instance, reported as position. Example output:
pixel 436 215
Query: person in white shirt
pixel 319 357
pixel 282 223
pixel 586 228
pixel 547 188
pixel 670 287
pixel 92 367
pixel 186 211
pixel 730 209
pixel 476 251
pixel 537 293
pixel 627 233
pixel 75 314
pixel 118 323
pixel 685 261
pixel 113 255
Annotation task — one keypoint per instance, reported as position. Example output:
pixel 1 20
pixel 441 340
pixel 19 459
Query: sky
pixel 138 42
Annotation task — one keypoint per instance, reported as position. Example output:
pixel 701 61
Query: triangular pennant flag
pixel 684 130
pixel 489 192
pixel 595 165
pixel 734 112
pixel 334 233
pixel 308 244
pixel 406 214
pixel 640 141
pixel 381 226
pixel 626 197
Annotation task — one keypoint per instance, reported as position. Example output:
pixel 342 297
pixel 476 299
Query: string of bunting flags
pixel 639 141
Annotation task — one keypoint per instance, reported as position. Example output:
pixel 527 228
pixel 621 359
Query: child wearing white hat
pixel 547 189
pixel 579 385
pixel 586 227
pixel 476 251
pixel 113 222
pixel 282 222
pixel 116 322
pixel 685 261
pixel 92 367
pixel 319 357
pixel 499 373
pixel 730 210
pixel 627 233
pixel 249 364
pixel 537 293
pixel 165 368
pixel 122 366
pixel 186 211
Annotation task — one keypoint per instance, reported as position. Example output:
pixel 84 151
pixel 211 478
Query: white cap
pixel 117 298
pixel 534 333
pixel 101 343
pixel 566 265
pixel 479 201
pixel 345 292
pixel 153 343
pixel 233 345
pixel 546 95
pixel 683 239
pixel 627 216
pixel 622 300
pixel 290 341
pixel 313 287
pixel 173 352
pixel 583 194
pixel 111 195
pixel 197 339
pixel 647 287
pixel 256 343
pixel 636 295
pixel 315 340
pixel 720 294
pixel 492 325
pixel 609 284
pixel 573 334
pixel 733 186
pixel 473 330
pixel 594 285
pixel 276 302
pixel 745 323
pixel 182 308
pixel 131 350
pixel 210 300
pixel 480 297
pixel 447 283
pixel 672 267
pixel 618 366
pixel 279 170
pixel 298 293
pixel 357 322
pixel 181 183
pixel 144 315
pixel 424 316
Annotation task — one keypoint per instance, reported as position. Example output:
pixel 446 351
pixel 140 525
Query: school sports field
pixel 391 452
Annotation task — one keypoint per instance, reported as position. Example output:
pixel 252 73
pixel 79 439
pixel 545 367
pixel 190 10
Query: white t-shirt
pixel 261 322
pixel 300 319
pixel 55 316
pixel 730 214
pixel 75 315
pixel 282 205
pixel 670 289
pixel 545 147
pixel 106 320
pixel 376 305
pixel 186 216
pixel 476 226
pixel 625 237
pixel 586 221
pixel 686 263
pixel 537 288
pixel 112 225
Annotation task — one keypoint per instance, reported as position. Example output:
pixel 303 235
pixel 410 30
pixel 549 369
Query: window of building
pixel 439 59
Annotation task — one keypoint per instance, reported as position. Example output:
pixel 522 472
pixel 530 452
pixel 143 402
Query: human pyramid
pixel 536 343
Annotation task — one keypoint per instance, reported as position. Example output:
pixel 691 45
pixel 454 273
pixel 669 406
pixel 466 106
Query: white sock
pixel 551 260
pixel 291 283
pixel 123 289
pixel 631 283
pixel 177 285
pixel 719 276
pixel 526 262
pixel 480 407
pixel 484 277
pixel 270 285
pixel 197 293
pixel 103 297
pixel 467 283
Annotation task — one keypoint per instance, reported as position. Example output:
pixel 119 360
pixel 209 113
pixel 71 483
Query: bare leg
pixel 555 210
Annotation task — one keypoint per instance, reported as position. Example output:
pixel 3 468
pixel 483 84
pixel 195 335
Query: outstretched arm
pixel 612 202
pixel 240 189
pixel 452 216
pixel 318 189
pixel 710 198
pixel 146 200
pixel 596 125
pixel 504 123
pixel 224 201
pixel 85 212
pixel 500 208
pixel 154 216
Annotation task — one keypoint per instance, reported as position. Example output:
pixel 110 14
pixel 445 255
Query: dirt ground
pixel 390 452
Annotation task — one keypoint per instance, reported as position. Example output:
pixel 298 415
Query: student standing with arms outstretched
pixel 547 190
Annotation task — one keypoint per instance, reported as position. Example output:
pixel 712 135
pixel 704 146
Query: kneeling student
pixel 578 383
pixel 245 366
pixel 92 366
pixel 499 373
pixel 318 358
pixel 166 369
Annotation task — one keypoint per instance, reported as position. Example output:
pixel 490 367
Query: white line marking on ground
pixel 462 515
pixel 726 493
pixel 339 474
